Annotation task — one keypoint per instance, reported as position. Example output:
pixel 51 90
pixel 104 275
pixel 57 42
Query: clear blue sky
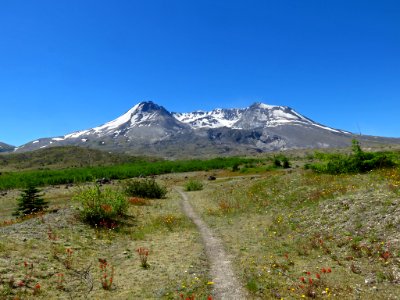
pixel 67 65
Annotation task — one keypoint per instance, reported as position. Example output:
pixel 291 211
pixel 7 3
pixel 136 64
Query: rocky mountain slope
pixel 150 129
pixel 5 147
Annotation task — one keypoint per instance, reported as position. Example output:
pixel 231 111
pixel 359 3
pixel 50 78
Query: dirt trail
pixel 226 285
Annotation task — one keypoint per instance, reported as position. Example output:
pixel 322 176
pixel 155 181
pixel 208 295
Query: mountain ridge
pixel 151 129
pixel 6 147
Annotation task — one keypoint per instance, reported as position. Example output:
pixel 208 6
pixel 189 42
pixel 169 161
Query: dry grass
pixel 176 260
pixel 281 225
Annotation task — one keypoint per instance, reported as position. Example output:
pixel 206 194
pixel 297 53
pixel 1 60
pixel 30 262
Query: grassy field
pixel 292 234
pixel 295 234
pixel 177 264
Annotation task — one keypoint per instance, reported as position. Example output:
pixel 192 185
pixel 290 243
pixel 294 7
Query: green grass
pixel 11 180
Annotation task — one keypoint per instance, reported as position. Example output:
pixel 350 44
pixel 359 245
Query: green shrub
pixel 193 185
pixel 281 161
pixel 357 162
pixel 145 188
pixel 101 206
pixel 235 167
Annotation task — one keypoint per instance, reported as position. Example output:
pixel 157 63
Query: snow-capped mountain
pixel 258 115
pixel 148 128
pixel 144 114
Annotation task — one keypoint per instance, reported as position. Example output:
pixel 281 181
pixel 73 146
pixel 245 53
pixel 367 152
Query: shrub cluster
pixel 101 206
pixel 193 185
pixel 357 162
pixel 281 161
pixel 145 188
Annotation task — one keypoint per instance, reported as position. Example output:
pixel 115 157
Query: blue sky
pixel 67 65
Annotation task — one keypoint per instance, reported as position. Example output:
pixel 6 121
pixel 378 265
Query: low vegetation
pixel 356 162
pixel 145 188
pixel 302 234
pixel 291 233
pixel 193 185
pixel 64 157
pixel 10 180
pixel 101 207
pixel 281 161
pixel 150 252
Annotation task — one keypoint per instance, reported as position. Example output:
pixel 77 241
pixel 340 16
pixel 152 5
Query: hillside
pixel 62 157
pixel 5 147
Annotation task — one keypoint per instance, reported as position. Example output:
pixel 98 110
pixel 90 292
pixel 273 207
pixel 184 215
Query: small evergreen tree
pixel 30 201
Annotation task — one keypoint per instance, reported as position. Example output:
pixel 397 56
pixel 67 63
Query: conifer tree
pixel 30 201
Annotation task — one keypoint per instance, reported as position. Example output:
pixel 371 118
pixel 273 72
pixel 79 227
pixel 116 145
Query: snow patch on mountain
pixel 256 116
pixel 213 119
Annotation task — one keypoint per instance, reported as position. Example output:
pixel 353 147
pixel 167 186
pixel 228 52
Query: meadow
pixel 298 234
pixel 292 233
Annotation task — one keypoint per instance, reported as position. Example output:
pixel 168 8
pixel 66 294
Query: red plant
pixel 385 255
pixel 60 281
pixel 106 207
pixel 7 223
pixel 28 270
pixel 108 224
pixel 309 287
pixel 138 201
pixel 52 236
pixel 36 288
pixel 143 255
pixel 191 297
pixel 107 275
pixel 68 259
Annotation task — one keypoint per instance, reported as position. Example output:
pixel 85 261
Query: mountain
pixel 5 147
pixel 149 129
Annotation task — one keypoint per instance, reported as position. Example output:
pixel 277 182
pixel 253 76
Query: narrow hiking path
pixel 226 284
